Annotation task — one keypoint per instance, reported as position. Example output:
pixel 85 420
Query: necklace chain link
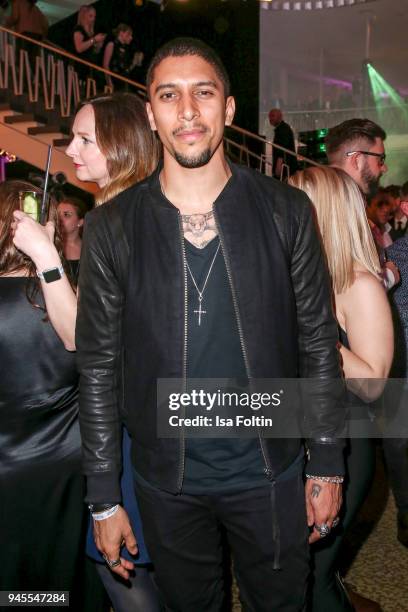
pixel 200 311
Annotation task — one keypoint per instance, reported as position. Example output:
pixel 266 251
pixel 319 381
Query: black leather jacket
pixel 131 322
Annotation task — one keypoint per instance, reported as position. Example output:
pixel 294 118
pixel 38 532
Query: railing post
pixel 61 87
pixel 90 88
pixel 24 70
pixel 10 63
pixel 52 77
pixel 3 43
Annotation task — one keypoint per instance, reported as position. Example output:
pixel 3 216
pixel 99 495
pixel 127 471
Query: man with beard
pixel 357 147
pixel 217 273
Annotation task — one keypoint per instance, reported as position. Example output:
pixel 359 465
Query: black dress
pixel 328 594
pixel 73 267
pixel 42 515
pixel 89 55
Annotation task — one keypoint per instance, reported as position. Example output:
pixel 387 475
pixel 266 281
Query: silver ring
pixel 323 529
pixel 335 522
pixel 112 562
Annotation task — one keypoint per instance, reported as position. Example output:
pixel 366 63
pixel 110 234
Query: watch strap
pixel 51 274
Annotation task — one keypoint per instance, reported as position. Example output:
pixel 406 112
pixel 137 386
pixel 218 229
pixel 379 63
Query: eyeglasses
pixel 381 156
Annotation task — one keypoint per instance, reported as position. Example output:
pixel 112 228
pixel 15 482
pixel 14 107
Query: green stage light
pixel 381 89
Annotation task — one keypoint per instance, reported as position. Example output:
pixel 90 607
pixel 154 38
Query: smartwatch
pixel 51 274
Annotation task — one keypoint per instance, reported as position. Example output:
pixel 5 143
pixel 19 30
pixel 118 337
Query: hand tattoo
pixel 316 490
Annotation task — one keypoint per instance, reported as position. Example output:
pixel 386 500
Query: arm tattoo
pixel 316 490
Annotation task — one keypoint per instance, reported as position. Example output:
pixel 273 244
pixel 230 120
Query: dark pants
pixel 327 592
pixel 396 458
pixel 182 534
pixel 139 593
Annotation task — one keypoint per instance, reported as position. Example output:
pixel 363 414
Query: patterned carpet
pixel 380 568
pixel 375 563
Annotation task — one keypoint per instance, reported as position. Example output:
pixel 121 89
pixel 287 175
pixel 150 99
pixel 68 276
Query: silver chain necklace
pixel 200 293
pixel 200 311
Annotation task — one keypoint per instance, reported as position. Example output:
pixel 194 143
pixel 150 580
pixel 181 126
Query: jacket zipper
pixel 267 469
pixel 182 436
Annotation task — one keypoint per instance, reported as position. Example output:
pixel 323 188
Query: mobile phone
pixel 30 203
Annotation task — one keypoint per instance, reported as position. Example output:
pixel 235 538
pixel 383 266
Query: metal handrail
pixel 275 146
pixel 59 78
pixel 56 49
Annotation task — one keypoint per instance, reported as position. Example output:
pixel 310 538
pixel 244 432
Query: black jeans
pixel 182 534
pixel 327 593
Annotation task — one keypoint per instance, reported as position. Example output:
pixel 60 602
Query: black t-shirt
pixel 90 55
pixel 121 59
pixel 214 351
pixel 284 137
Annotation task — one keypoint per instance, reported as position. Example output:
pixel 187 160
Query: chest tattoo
pixel 199 229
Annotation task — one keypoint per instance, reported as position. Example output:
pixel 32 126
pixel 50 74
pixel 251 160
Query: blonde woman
pixel 87 44
pixel 366 346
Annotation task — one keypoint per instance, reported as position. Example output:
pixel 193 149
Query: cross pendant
pixel 200 311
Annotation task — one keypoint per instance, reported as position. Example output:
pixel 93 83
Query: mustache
pixel 187 128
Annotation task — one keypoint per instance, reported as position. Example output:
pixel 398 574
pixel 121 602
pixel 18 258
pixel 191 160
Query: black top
pixel 89 54
pixel 284 137
pixel 214 351
pixel 121 58
pixel 41 484
pixel 73 266
pixel 398 253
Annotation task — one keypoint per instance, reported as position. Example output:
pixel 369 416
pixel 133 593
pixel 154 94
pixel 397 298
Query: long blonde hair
pixel 81 19
pixel 343 223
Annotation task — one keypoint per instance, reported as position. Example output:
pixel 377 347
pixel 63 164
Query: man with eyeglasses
pixel 357 147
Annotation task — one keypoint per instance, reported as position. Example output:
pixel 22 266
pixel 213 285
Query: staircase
pixel 38 100
pixel 28 137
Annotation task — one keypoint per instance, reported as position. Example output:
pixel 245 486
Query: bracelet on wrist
pixel 331 479
pixel 105 514
pixel 100 507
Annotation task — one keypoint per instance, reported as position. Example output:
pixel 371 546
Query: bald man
pixel 283 137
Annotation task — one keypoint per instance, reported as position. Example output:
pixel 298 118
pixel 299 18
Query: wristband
pixel 331 479
pixel 101 516
pixel 100 507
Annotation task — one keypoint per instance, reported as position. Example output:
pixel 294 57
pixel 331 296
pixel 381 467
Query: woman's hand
pixel 99 38
pixel 35 240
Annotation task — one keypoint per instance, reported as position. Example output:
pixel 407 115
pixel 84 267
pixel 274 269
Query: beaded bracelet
pixel 101 516
pixel 331 479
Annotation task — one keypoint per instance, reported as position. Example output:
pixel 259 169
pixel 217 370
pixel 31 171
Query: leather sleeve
pixel 319 358
pixel 98 341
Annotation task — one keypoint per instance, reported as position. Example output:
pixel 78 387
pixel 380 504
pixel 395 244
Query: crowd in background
pixel 115 51
pixel 355 150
